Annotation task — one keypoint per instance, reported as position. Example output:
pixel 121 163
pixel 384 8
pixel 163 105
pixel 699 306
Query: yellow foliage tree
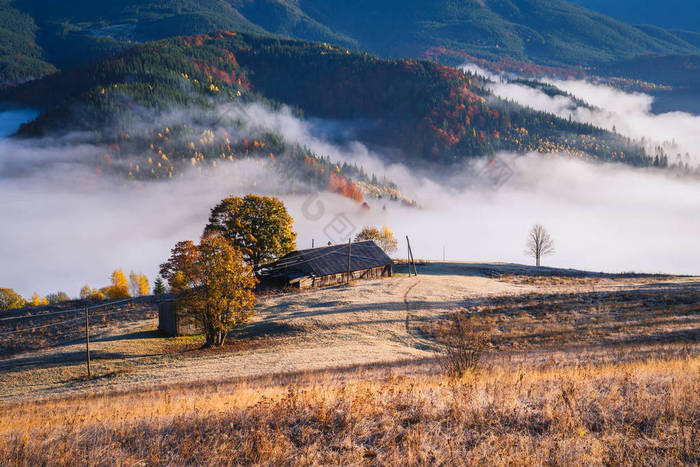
pixel 388 242
pixel 38 300
pixel 9 299
pixel 384 238
pixel 120 286
pixel 97 295
pixel 85 292
pixel 138 283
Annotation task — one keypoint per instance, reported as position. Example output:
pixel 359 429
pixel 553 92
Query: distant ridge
pixel 37 36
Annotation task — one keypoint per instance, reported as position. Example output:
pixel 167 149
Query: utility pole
pixel 443 254
pixel 349 248
pixel 312 243
pixel 87 341
pixel 408 256
pixel 410 259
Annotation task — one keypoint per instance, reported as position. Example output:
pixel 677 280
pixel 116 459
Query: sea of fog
pixel 63 227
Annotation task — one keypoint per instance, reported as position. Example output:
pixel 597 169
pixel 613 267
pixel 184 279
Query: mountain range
pixel 39 36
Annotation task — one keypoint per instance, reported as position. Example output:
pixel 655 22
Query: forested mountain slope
pixel 423 111
pixel 20 56
pixel 545 31
pixel 69 33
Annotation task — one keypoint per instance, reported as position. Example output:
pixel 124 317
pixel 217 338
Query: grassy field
pixel 578 370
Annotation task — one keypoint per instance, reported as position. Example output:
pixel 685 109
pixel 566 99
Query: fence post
pixel 349 248
pixel 87 341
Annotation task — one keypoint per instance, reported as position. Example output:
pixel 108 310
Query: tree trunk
pixel 210 334
pixel 215 338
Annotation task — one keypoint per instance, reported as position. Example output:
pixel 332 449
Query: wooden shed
pixel 173 321
pixel 319 267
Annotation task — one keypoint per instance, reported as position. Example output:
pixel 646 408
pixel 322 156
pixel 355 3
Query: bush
pixel 57 297
pixel 87 293
pixel 464 343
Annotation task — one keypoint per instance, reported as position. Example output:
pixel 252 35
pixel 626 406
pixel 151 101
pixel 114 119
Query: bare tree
pixel 539 243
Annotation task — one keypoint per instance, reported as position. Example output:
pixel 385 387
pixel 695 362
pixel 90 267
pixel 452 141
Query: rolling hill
pixel 36 36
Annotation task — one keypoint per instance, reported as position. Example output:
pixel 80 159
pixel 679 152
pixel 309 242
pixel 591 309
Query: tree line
pixel 121 286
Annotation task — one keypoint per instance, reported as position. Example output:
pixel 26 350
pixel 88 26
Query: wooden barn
pixel 319 267
pixel 173 321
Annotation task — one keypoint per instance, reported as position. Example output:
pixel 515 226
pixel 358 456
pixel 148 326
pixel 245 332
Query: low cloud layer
pixel 66 227
pixel 627 113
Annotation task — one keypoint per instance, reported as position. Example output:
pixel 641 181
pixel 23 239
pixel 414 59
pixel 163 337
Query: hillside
pixel 75 32
pixel 543 31
pixel 20 56
pixel 578 368
pixel 431 113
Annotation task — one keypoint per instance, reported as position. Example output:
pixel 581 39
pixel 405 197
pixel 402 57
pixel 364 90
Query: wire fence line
pixel 33 328
pixel 58 323
pixel 41 330
pixel 70 310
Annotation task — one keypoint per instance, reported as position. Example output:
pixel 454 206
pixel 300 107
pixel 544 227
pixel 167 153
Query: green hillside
pixel 544 31
pixel 70 33
pixel 431 113
pixel 20 56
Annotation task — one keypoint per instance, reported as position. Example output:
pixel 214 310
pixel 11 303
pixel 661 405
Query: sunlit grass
pixel 634 412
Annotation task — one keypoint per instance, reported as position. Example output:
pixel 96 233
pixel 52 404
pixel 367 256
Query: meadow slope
pixel 580 369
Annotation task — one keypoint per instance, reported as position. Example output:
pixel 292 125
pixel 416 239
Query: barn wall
pixel 187 324
pixel 167 322
pixel 175 322
pixel 334 279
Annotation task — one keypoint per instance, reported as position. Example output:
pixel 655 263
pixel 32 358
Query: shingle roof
pixel 327 260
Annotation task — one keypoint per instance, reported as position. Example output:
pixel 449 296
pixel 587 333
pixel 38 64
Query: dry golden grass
pixel 638 412
pixel 617 317
pixel 583 375
pixel 579 281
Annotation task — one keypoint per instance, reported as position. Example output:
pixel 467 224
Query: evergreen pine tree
pixel 158 286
